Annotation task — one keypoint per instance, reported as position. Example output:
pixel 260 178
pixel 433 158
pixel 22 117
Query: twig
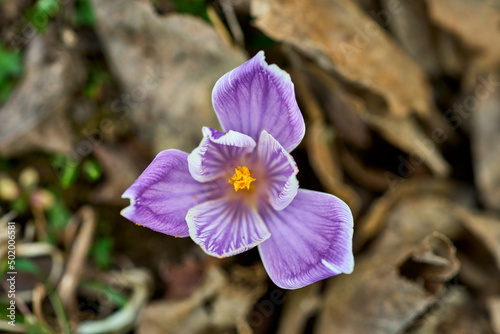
pixel 39 294
pixel 40 248
pixel 219 26
pixel 40 223
pixel 140 281
pixel 76 259
pixel 232 22
pixel 9 216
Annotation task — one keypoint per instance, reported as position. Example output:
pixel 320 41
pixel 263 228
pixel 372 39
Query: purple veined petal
pixel 217 152
pixel 257 96
pixel 281 171
pixel 311 240
pixel 226 227
pixel 163 194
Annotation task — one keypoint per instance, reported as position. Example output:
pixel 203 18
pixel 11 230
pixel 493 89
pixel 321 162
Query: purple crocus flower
pixel 238 188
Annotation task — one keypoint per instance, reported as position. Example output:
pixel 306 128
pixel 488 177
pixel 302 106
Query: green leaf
pixel 3 268
pixel 27 266
pixel 101 252
pixel 114 295
pixel 50 7
pixel 261 41
pixel 5 90
pixel 40 14
pixel 40 20
pixel 10 63
pixel 85 16
pixel 92 170
pixel 97 79
pixel 58 216
pixel 37 328
pixel 193 7
pixel 67 168
pixel 69 176
pixel 20 205
pixel 4 312
pixel 11 68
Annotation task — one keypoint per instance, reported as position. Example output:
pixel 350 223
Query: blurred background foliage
pixel 402 110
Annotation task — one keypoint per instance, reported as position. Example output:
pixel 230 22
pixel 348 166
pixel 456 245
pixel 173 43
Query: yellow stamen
pixel 241 178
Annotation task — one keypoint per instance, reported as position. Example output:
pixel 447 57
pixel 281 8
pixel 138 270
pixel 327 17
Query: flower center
pixel 241 178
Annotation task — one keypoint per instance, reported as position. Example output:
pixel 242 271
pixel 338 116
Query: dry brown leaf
pixel 342 109
pixel 219 302
pixel 33 118
pixel 369 178
pixel 299 306
pixel 377 217
pixel 167 66
pixel 10 11
pixel 398 285
pixel 417 208
pixel 410 24
pixel 407 135
pixel 381 296
pixel 486 148
pixel 494 309
pixel 403 132
pixel 450 52
pixel 325 165
pixel 415 217
pixel 184 278
pixel 119 170
pixel 477 276
pixel 432 215
pixel 320 141
pixel 182 316
pixel 474 22
pixel 434 260
pixel 485 227
pixel 456 313
pixel 342 38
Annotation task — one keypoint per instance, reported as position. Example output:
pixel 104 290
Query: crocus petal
pixel 162 195
pixel 281 171
pixel 311 240
pixel 217 153
pixel 226 227
pixel 257 96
